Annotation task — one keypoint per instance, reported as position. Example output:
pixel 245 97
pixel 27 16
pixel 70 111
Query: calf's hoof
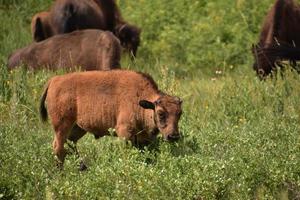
pixel 82 166
pixel 59 165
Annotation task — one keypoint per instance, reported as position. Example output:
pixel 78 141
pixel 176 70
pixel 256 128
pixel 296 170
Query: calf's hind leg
pixel 75 135
pixel 58 147
pixel 61 134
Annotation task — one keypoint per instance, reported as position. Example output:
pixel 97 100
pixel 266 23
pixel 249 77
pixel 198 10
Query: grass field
pixel 241 135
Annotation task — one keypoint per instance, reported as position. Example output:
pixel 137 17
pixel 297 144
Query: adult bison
pixel 88 49
pixel 281 27
pixel 94 101
pixel 68 15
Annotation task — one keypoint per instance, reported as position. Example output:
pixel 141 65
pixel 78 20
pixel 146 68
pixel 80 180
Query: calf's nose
pixel 173 137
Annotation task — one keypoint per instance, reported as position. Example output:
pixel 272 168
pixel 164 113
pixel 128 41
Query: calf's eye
pixel 161 116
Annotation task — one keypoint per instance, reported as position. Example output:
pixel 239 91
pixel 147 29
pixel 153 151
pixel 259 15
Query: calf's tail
pixel 43 110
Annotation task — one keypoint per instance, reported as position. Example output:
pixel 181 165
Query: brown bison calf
pixel 69 15
pixel 88 49
pixel 281 27
pixel 93 102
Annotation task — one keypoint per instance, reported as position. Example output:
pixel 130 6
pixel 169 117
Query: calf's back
pixel 96 100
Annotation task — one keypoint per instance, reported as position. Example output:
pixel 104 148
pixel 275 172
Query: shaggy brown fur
pixel 93 102
pixel 281 26
pixel 88 49
pixel 68 15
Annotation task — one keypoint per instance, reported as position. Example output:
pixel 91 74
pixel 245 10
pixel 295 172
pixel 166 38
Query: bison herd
pixel 92 34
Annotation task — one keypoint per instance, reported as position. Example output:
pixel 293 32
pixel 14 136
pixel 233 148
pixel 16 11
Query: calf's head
pixel 167 112
pixel 129 36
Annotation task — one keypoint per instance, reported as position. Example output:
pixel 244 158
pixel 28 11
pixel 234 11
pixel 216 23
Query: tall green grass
pixel 241 135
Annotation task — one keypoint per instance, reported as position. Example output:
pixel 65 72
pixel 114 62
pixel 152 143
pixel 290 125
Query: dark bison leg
pixel 75 135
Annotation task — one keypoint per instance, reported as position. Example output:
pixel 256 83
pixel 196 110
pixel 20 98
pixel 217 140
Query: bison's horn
pixel 122 27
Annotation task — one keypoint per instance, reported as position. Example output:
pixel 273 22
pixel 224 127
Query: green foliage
pixel 241 135
pixel 201 35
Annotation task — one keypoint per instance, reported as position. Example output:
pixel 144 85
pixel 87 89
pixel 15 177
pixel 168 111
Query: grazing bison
pixel 89 49
pixel 281 26
pixel 69 15
pixel 93 102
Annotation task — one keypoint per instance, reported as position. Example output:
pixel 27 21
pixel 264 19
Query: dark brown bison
pixel 88 49
pixel 69 15
pixel 95 101
pixel 281 27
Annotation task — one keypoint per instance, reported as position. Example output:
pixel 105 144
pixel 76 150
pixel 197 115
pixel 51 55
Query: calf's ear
pixel 147 104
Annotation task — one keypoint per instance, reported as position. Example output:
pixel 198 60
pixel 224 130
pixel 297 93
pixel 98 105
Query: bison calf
pixel 88 49
pixel 93 102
